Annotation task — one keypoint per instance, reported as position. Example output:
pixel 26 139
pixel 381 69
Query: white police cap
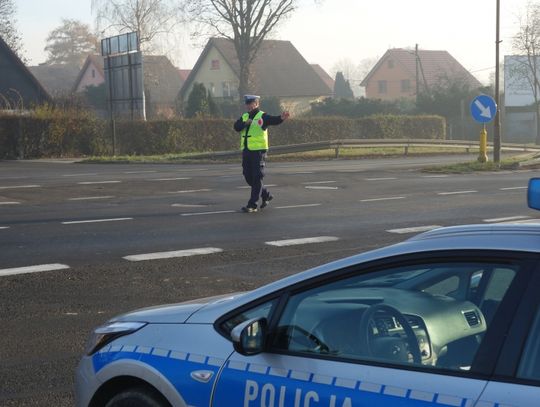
pixel 250 98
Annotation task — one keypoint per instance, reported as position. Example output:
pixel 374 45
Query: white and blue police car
pixel 450 317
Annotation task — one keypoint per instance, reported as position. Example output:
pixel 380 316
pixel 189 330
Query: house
pixel 324 76
pixel 520 119
pixel 280 71
pixel 400 72
pixel 19 89
pixel 162 82
pixel 91 74
pixel 57 79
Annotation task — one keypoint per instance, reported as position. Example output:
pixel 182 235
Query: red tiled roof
pixel 435 65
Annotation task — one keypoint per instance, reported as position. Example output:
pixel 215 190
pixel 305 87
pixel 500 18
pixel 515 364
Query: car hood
pixel 173 313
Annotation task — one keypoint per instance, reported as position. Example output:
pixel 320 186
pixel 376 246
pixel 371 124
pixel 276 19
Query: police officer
pixel 253 127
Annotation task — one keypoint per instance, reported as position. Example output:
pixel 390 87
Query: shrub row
pixel 56 134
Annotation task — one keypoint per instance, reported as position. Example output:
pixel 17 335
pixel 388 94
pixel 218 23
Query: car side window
pixel 529 367
pixel 388 316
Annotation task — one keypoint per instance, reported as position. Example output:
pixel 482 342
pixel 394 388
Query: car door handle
pixel 202 376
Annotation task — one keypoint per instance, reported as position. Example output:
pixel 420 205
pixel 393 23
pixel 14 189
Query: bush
pixel 50 132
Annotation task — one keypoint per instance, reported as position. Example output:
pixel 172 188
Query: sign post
pixel 483 110
pixel 124 78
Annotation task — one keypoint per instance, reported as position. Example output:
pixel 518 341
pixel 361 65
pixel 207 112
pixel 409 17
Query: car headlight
pixel 108 333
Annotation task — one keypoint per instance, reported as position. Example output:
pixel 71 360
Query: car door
pixel 516 380
pixel 364 337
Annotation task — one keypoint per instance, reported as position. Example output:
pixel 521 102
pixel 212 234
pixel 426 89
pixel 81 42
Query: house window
pixel 383 87
pixel 390 64
pixel 405 85
pixel 214 66
pixel 93 73
pixel 226 89
pixel 212 88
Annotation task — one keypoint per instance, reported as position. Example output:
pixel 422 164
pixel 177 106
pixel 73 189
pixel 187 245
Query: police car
pixel 450 317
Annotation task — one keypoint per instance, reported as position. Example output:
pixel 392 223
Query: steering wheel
pixel 305 338
pixel 367 339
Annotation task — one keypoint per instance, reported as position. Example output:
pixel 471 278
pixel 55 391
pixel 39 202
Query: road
pixel 80 243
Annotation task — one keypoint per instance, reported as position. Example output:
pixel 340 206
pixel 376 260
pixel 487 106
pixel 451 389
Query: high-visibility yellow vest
pixel 257 138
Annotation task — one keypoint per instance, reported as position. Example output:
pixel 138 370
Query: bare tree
pixel 8 27
pixel 527 44
pixel 245 22
pixel 70 43
pixel 354 73
pixel 149 18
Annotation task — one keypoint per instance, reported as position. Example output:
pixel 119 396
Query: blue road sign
pixel 483 109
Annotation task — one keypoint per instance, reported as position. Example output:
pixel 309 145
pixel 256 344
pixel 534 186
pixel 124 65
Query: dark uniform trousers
pixel 253 163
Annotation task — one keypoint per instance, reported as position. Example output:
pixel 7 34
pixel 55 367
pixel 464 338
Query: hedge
pixel 57 134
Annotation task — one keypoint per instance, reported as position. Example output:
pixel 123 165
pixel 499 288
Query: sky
pixel 327 32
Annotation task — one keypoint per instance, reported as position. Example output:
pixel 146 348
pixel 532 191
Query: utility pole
pixel 417 73
pixel 497 124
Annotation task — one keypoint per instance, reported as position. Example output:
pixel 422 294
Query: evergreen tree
pixel 342 88
pixel 200 102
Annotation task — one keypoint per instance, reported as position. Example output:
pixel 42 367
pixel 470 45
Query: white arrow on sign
pixel 484 111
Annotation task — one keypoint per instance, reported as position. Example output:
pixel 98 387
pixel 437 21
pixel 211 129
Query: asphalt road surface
pixel 80 243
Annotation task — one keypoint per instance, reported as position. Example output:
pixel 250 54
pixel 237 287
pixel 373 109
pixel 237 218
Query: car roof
pixel 500 237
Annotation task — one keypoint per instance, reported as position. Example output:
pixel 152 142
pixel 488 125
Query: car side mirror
pixel 533 193
pixel 249 338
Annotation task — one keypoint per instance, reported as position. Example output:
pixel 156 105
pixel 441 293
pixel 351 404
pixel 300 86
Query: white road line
pixel 527 221
pixel 190 191
pixel 456 192
pixel 380 179
pixel 95 221
pixel 509 218
pixel 316 187
pixel 414 229
pixel 4 227
pixel 79 175
pixel 318 182
pixel 88 198
pixel 10 203
pixel 169 179
pixel 206 213
pixel 178 205
pixel 173 254
pixel 139 172
pixel 21 186
pixel 32 269
pixel 306 240
pixel 511 188
pixel 382 199
pixel 298 206
pixel 98 182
